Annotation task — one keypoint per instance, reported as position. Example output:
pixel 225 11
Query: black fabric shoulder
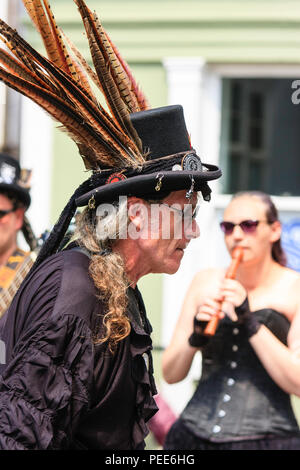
pixel 60 285
pixel 44 388
pixel 49 366
pixel 77 294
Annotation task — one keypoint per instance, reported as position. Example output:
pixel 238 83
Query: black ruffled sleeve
pixel 44 387
pixel 42 391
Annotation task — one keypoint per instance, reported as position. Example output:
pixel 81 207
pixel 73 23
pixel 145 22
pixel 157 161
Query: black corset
pixel 236 398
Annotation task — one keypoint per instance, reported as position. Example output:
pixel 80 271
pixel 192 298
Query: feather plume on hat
pixel 61 86
pixel 131 149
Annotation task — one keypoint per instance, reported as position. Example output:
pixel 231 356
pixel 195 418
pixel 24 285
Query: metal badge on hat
pixel 191 162
pixel 7 173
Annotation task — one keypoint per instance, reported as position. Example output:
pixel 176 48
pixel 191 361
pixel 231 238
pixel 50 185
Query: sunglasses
pixel 248 226
pixel 184 212
pixel 4 213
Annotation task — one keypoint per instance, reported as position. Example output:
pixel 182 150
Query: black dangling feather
pixel 53 242
pixel 29 235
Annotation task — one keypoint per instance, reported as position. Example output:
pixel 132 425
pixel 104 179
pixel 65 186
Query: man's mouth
pixel 181 248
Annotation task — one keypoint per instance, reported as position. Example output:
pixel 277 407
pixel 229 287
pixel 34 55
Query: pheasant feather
pixel 61 86
pixel 140 98
pixel 82 131
pixel 109 70
pixel 89 72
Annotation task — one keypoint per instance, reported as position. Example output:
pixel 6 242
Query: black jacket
pixel 58 390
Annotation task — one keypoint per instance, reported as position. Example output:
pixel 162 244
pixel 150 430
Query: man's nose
pixel 192 230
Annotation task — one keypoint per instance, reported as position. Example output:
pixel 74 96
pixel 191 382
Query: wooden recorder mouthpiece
pixel 237 255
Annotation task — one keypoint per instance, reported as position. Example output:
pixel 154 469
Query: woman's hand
pixel 233 292
pixel 236 295
pixel 209 308
pixel 230 294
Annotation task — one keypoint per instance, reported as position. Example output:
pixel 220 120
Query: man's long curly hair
pixel 107 271
pixel 98 234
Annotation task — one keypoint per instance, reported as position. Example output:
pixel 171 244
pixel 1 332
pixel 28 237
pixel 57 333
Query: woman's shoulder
pixel 289 276
pixel 208 274
pixel 205 283
pixel 283 291
pixel 294 275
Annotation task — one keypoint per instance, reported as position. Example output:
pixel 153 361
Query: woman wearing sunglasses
pixel 251 366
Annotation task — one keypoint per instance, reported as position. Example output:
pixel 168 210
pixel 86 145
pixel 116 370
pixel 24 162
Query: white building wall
pixel 35 149
pixel 3 15
pixel 36 154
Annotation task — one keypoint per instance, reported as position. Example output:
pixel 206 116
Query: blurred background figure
pixel 14 201
pixel 162 421
pixel 252 363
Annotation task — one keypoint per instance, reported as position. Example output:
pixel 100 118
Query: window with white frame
pixel 260 137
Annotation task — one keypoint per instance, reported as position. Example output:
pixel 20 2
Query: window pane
pixel 261 138
pixel 235 109
pixel 235 131
pixel 235 172
pixel 256 106
pixel 255 181
pixel 255 137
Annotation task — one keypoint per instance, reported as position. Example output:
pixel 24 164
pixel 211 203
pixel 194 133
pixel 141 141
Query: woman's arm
pixel 280 361
pixel 178 356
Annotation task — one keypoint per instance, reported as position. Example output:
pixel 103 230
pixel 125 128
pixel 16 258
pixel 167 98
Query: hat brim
pixel 141 185
pixel 20 193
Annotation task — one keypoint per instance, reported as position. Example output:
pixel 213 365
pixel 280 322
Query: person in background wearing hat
pixel 14 201
pixel 251 365
pixel 78 372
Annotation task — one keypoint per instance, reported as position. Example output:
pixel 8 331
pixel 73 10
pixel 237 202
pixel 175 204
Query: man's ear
pixel 137 212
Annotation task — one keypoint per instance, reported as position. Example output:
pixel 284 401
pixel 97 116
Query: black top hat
pixel 131 149
pixel 11 178
pixel 171 163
